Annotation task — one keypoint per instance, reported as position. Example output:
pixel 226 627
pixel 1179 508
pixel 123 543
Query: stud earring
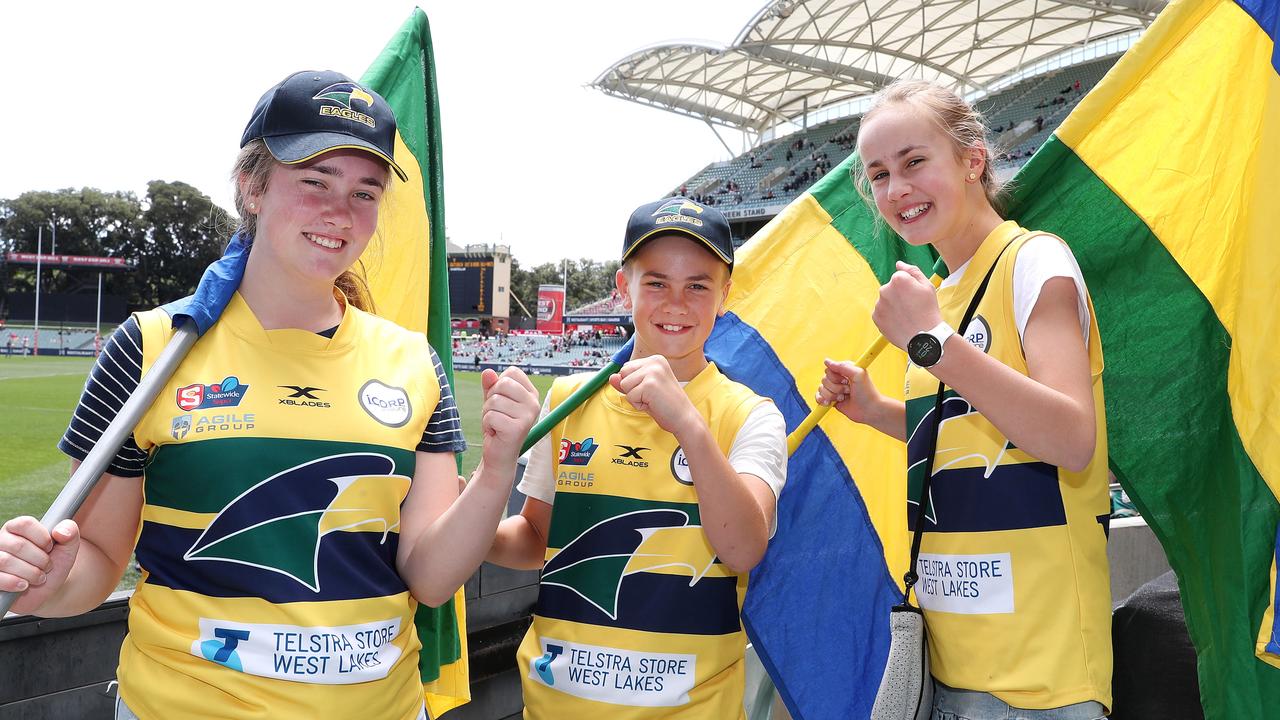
pixel 972 177
pixel 251 206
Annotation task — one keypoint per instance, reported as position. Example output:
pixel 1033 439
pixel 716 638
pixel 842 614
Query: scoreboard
pixel 471 284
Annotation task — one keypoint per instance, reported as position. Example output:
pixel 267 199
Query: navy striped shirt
pixel 118 371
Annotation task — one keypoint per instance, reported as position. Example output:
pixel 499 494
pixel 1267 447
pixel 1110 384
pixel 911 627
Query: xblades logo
pixel 631 456
pixel 303 391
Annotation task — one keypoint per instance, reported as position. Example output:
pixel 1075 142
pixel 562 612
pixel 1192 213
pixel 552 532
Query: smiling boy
pixel 657 504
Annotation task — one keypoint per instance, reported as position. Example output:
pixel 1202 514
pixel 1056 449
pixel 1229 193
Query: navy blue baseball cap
pixel 315 111
pixel 679 216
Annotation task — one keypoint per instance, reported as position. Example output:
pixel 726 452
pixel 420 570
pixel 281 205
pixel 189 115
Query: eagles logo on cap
pixel 295 130
pixel 678 206
pixel 682 216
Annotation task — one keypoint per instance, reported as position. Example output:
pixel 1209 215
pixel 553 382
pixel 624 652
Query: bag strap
pixel 910 579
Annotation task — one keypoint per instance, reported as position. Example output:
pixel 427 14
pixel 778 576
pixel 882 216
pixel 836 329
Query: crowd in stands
pixel 577 348
pixel 779 170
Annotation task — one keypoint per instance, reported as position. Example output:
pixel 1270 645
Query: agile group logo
pixel 180 427
pixel 386 404
pixel 346 94
pixel 330 655
pixel 577 453
pixel 200 396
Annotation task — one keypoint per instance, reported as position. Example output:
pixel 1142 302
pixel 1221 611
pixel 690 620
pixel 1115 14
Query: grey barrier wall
pixel 65 667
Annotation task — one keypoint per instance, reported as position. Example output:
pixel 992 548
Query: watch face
pixel 924 350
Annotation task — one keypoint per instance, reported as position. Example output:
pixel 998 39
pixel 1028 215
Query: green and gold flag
pixel 409 280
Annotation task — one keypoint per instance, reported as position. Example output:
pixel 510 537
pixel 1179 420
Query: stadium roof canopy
pixel 798 56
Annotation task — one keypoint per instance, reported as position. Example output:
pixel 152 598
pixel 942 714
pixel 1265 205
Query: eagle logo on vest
pixel 280 523
pixel 594 564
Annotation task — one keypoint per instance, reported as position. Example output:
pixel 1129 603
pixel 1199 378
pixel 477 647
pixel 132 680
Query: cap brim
pixel 676 230
pixel 299 148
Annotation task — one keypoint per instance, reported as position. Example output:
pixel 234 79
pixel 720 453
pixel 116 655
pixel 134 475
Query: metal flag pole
pixel 191 316
pixel 868 356
pixel 83 480
pixel 571 403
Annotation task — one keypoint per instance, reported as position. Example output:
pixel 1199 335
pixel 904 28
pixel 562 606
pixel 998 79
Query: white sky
pixel 114 94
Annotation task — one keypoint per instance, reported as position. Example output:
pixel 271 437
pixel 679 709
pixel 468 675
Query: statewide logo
pixel 979 333
pixel 225 394
pixel 346 94
pixel 280 523
pixel 223 649
pixel 303 396
pixel 593 564
pixel 630 456
pixel 577 453
pixel 680 467
pixel 180 427
pixel 386 404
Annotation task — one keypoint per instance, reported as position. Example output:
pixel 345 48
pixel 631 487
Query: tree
pixel 88 222
pixel 589 280
pixel 171 238
pixel 184 232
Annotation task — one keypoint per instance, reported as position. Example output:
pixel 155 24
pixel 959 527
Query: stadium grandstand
pixel 794 83
pixel 789 91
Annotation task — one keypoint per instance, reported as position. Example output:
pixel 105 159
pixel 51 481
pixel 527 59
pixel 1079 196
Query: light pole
pixel 39 252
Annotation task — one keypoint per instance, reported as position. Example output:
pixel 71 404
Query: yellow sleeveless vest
pixel 278 462
pixel 636 618
pixel 1013 565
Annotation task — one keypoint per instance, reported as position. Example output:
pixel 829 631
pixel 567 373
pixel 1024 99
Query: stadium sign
pixel 755 212
pixel 597 319
pixel 85 261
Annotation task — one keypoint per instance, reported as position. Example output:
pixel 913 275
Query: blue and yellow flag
pixel 1164 182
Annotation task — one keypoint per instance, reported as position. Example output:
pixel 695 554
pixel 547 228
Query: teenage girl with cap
pixel 1013 567
pixel 292 492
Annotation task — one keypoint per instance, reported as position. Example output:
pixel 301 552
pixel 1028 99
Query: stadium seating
pixel 1012 110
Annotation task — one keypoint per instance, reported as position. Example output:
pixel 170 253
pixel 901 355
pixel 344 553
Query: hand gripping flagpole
pixel 192 316
pixel 868 356
pixel 578 396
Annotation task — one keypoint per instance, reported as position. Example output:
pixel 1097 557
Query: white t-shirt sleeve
pixel 537 481
pixel 760 447
pixel 1042 258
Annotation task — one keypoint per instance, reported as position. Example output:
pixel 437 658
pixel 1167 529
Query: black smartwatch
pixel 925 349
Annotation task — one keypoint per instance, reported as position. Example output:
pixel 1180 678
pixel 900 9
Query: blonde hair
pixel 953 115
pixel 251 172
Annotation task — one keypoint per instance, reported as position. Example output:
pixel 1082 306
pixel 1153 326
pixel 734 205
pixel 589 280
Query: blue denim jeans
pixel 953 704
